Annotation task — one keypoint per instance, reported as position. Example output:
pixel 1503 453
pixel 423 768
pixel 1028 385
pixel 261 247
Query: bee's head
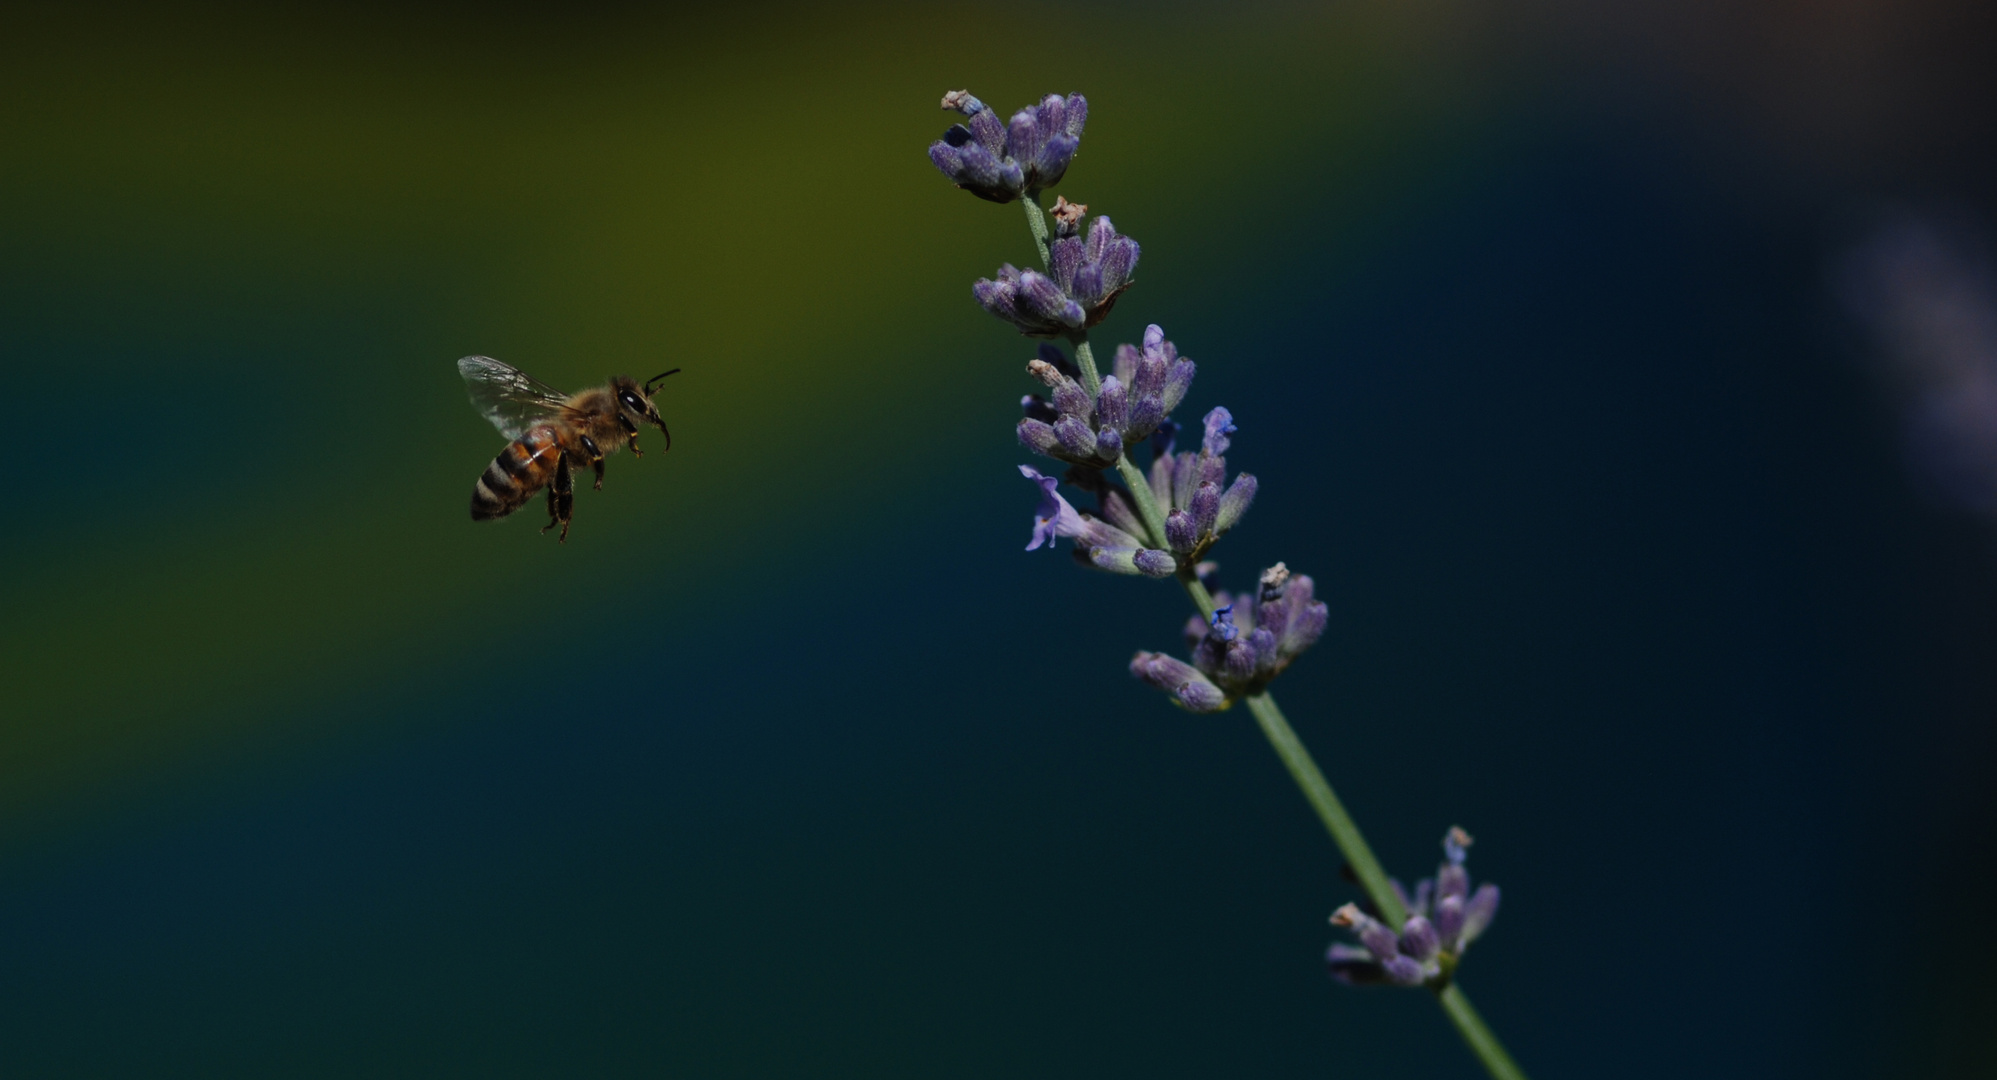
pixel 634 402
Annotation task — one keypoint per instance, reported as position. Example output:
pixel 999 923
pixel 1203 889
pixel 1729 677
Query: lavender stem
pixel 1485 1045
pixel 1036 223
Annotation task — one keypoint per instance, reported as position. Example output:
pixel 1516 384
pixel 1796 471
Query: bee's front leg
pixel 635 452
pixel 599 473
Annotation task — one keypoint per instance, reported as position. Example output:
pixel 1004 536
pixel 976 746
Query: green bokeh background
pixel 263 238
pixel 789 762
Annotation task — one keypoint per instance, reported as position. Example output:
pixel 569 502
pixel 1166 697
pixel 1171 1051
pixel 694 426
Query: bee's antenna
pixel 650 388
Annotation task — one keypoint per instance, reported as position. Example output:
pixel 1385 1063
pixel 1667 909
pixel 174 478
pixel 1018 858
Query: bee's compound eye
pixel 631 401
pixel 589 447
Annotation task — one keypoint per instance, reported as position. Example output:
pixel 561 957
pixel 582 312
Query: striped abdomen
pixel 520 470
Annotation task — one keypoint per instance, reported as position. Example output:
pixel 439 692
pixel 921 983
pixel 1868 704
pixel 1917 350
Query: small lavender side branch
pixel 1163 524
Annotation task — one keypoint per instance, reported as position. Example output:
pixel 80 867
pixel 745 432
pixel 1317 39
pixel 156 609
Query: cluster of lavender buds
pixel 1084 277
pixel 1431 941
pixel 1001 162
pixel 1235 655
pixel 1187 486
pixel 1132 404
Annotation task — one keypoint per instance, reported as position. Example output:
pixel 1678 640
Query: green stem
pixel 1344 833
pixel 1085 358
pixel 1485 1045
pixel 1036 223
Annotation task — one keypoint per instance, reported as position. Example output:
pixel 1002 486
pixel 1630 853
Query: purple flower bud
pixel 1219 425
pixel 1064 258
pixel 1478 912
pixel 1222 623
pixel 1202 697
pixel 1424 889
pixel 1040 296
pixel 1452 880
pixel 1161 479
pixel 1071 400
pixel 1154 336
pixel 1178 379
pixel 1167 673
pixel 1185 468
pixel 1205 507
pixel 1088 282
pixel 991 134
pixel 1078 114
pixel 1161 443
pixel 1296 618
pixel 1176 677
pixel 1145 417
pixel 1266 656
pixel 1113 405
pixel 1419 939
pixel 1212 470
pixel 1235 503
pixel 1118 260
pixel 1125 365
pixel 1402 971
pixel 1353 965
pixel 1449 919
pixel 1024 136
pixel 1077 440
pixel 1240 661
pixel 1036 436
pixel 1378 940
pixel 1180 532
pixel 1154 563
pixel 1108 444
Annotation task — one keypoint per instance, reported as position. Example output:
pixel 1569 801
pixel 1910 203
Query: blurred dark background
pixel 1627 379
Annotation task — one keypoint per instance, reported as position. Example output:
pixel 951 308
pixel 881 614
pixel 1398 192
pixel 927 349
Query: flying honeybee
pixel 553 435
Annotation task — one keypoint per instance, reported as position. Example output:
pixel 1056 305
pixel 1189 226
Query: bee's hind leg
pixel 561 498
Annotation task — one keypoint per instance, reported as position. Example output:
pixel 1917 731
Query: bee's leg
pixel 561 497
pixel 599 473
pixel 635 452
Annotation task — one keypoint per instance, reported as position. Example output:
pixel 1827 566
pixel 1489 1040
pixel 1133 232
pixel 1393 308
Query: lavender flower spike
pixel 1002 161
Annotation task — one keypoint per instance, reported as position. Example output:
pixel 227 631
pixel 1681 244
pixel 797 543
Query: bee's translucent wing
pixel 509 397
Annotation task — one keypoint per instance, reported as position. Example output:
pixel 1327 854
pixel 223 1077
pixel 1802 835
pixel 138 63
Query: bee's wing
pixel 509 397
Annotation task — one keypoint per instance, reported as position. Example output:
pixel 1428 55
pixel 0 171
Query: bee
pixel 553 435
